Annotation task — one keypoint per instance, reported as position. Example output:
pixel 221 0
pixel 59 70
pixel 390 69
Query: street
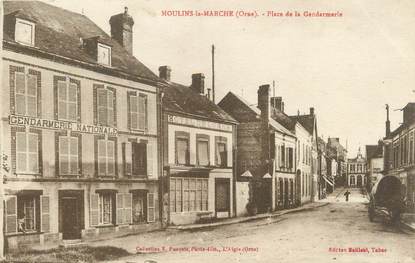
pixel 337 232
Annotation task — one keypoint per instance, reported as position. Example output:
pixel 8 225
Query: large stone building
pixel 198 153
pixel 79 127
pixel 356 171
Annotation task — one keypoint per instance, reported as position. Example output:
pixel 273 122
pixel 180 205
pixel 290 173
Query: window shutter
pixel 94 210
pixel 128 158
pixel 102 102
pixel 150 155
pixel 128 202
pixel 44 213
pixel 20 93
pixel 150 207
pixel 133 112
pixel 11 214
pixel 120 209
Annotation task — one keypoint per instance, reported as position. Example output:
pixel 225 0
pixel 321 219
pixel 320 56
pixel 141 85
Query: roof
pixel 307 121
pixel 237 106
pixel 182 99
pixel 374 151
pixel 59 32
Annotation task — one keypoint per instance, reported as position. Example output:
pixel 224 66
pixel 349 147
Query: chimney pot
pixel 311 111
pixel 198 83
pixel 165 72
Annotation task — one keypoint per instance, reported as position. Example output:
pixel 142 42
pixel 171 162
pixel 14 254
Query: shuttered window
pixel 94 209
pixel 11 214
pixel 45 211
pixel 26 94
pixel 68 155
pixel 106 158
pixel 105 209
pixel 150 155
pixel 202 148
pixel 27 158
pixel 139 159
pixel 106 106
pixel 67 100
pixel 221 154
pixel 124 208
pixel 138 111
pixel 151 210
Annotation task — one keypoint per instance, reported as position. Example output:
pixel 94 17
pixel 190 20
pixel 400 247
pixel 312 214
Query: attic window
pixel 104 54
pixel 24 32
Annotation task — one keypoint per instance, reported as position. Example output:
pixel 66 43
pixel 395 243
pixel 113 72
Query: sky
pixel 346 67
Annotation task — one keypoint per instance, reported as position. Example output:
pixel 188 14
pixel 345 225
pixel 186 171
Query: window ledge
pixel 105 226
pixel 24 234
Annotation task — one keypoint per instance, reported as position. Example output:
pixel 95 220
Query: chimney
pixel 277 103
pixel 264 101
pixel 122 29
pixel 165 72
pixel 311 111
pixel 198 83
pixel 388 123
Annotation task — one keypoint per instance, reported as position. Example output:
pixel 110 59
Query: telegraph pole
pixel 213 73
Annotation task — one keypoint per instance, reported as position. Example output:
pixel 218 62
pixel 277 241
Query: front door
pixel 359 181
pixel 71 225
pixel 222 197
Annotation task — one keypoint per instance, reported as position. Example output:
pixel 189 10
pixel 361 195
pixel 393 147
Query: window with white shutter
pixel 11 214
pixel 151 207
pixel 27 159
pixel 106 158
pixel 68 155
pixel 150 154
pixel 127 158
pixel 94 209
pixel 24 32
pixel 67 100
pixel 106 106
pixel 26 96
pixel 44 213
pixel 128 208
pixel 120 209
pixel 138 111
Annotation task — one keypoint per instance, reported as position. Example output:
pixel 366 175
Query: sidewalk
pixel 237 220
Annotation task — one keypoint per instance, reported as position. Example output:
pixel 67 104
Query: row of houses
pixel 95 144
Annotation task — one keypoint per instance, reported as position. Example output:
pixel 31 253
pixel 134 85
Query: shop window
pixel 202 149
pixel 188 194
pixel 106 157
pixel 137 110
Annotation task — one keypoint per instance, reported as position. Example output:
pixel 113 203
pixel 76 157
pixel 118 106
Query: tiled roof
pixel 59 32
pixel 182 99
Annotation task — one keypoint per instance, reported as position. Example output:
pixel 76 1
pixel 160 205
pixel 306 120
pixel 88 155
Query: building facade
pixel 399 155
pixel 338 153
pixel 356 171
pixel 198 153
pixel 374 159
pixel 80 128
pixel 265 157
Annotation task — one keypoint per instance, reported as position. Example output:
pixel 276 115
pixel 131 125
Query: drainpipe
pixel 1 145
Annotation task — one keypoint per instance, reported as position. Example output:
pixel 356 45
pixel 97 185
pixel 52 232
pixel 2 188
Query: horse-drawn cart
pixel 386 198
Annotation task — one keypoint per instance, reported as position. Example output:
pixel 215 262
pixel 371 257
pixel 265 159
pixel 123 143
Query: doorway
pixel 71 214
pixel 222 197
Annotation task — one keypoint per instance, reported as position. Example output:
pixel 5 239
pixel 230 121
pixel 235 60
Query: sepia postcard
pixel 151 131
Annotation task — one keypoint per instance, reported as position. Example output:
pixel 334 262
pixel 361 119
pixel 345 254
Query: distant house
pixel 79 127
pixel 374 159
pixel 356 171
pixel 198 152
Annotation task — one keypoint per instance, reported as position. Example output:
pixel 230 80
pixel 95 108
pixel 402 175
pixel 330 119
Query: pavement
pixel 337 231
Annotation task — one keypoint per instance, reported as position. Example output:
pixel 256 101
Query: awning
pixel 328 181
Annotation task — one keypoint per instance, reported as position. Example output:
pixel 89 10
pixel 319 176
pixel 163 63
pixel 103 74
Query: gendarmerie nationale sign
pixel 61 125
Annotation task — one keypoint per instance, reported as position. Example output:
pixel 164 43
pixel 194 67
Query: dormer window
pixel 104 54
pixel 25 32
